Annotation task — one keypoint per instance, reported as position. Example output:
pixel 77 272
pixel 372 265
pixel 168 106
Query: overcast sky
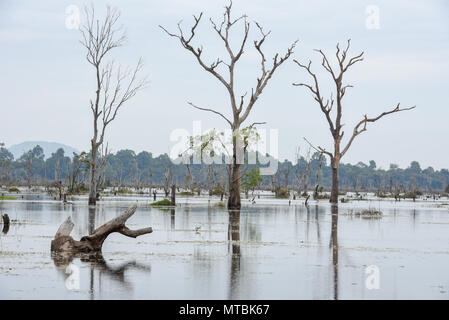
pixel 46 83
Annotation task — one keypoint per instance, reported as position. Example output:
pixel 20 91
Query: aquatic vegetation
pixel 124 191
pixel 7 198
pixel 164 202
pixel 220 204
pixel 217 191
pixel 187 193
pixel 282 193
pixel 369 214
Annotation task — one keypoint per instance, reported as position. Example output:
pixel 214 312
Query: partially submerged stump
pixel 63 242
pixel 6 222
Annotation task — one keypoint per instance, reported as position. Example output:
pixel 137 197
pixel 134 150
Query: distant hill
pixel 49 148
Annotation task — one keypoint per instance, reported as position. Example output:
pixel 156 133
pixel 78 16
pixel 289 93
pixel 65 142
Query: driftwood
pixel 63 242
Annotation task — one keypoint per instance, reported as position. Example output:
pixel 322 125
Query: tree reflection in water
pixel 98 263
pixel 334 245
pixel 234 250
pixel 172 219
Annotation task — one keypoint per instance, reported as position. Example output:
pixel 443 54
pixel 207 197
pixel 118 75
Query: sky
pixel 46 82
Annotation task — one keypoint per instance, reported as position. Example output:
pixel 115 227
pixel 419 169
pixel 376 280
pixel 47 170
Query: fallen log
pixel 63 242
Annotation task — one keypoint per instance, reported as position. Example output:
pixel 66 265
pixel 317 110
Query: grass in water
pixel 164 202
pixel 7 198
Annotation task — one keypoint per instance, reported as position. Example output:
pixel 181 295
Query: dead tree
pixel 286 174
pixel 28 166
pixel 317 177
pixel 303 178
pixel 168 178
pixel 240 107
pixel 150 180
pixel 101 172
pixel 63 242
pixel 210 179
pixel 189 178
pixel 114 86
pixel 326 106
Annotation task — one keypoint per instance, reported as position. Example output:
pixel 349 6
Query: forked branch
pixel 361 126
pixel 63 242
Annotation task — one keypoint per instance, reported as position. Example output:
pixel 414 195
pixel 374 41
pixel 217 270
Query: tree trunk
pixel 334 192
pixel 63 242
pixel 173 195
pixel 93 180
pixel 234 202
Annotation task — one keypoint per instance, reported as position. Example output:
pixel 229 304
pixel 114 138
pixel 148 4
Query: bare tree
pixel 114 85
pixel 326 106
pixel 303 178
pixel 286 174
pixel 317 176
pixel 150 180
pixel 168 179
pixel 101 173
pixel 240 107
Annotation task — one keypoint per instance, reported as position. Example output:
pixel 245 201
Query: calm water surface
pixel 266 251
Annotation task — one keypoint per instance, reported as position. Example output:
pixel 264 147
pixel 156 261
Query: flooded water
pixel 270 250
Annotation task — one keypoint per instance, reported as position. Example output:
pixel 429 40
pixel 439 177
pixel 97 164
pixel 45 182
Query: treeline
pixel 126 168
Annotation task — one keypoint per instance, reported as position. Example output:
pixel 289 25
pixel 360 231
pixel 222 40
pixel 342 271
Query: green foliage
pixel 126 168
pixel 218 190
pixel 124 191
pixel 220 204
pixel 411 194
pixel 164 202
pixel 282 193
pixel 321 196
pixel 186 193
pixel 251 179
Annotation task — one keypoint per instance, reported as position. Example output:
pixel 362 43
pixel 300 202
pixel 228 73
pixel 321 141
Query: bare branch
pixel 315 89
pixel 211 110
pixel 196 52
pixel 319 149
pixel 361 126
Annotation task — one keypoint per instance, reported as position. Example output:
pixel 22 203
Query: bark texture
pixel 63 242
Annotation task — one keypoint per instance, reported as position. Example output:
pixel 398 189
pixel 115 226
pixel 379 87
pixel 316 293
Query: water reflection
pixel 99 266
pixel 334 245
pixel 261 252
pixel 172 219
pixel 91 221
pixel 317 223
pixel 234 250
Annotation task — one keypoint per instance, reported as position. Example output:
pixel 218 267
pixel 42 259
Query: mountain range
pixel 49 147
